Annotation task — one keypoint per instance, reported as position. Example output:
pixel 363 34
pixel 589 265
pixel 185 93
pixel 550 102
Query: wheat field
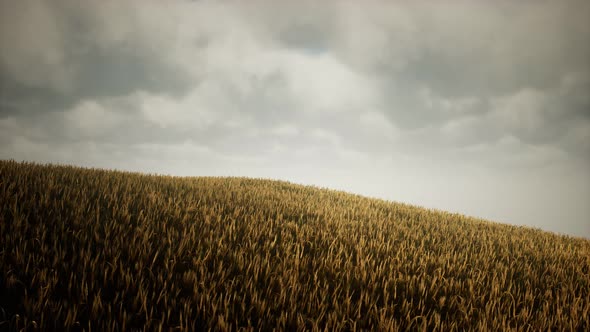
pixel 98 250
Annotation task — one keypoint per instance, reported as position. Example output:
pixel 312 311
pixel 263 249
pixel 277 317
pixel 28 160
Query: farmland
pixel 91 249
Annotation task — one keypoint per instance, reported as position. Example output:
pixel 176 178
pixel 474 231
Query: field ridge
pixel 93 249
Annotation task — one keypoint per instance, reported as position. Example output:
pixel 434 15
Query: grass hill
pixel 104 250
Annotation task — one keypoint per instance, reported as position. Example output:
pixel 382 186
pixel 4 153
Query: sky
pixel 476 107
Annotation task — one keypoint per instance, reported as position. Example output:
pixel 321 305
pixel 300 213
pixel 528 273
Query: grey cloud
pixel 306 36
pixel 490 50
pixel 485 52
pixel 69 39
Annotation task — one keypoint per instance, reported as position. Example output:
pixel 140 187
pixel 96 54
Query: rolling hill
pixel 91 249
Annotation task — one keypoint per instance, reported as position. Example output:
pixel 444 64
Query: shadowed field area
pixel 87 249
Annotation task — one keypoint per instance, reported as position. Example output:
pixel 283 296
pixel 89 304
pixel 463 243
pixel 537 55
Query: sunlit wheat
pixel 102 250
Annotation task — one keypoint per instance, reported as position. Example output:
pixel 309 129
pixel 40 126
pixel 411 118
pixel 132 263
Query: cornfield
pixel 98 250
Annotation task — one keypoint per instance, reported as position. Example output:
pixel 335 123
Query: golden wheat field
pixel 98 250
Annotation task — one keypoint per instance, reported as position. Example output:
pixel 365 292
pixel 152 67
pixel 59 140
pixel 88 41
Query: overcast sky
pixel 481 108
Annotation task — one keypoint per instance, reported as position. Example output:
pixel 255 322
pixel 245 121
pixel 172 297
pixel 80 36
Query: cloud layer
pixel 476 107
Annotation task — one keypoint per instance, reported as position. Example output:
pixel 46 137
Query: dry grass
pixel 102 250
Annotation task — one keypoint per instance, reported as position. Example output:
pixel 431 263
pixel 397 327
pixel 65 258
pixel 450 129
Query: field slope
pixel 102 250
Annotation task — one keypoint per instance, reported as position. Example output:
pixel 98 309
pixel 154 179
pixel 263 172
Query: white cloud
pixel 325 136
pixel 321 83
pixel 374 122
pixel 285 130
pixel 91 119
pixel 459 106
pixel 522 111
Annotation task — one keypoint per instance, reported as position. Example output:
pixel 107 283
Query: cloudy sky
pixel 480 107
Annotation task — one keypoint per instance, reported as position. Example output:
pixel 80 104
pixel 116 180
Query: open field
pixel 103 250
